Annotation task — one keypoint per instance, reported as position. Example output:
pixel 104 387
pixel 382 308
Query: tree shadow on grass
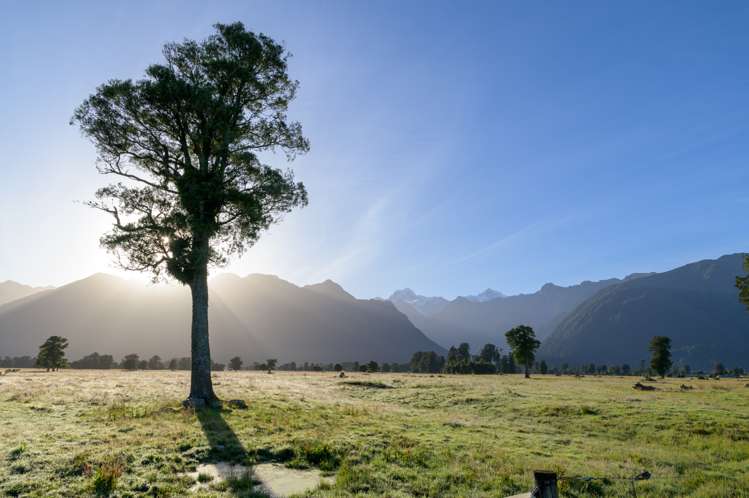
pixel 224 443
pixel 225 447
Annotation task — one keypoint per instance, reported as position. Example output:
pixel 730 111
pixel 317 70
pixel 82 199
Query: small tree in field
pixel 271 364
pixel 52 353
pixel 235 364
pixel 131 362
pixel 660 354
pixel 184 144
pixel 155 363
pixel 524 344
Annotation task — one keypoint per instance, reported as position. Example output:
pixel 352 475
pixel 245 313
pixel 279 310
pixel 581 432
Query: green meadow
pixel 117 433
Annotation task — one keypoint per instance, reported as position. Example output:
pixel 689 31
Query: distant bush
pixel 427 362
pixel 460 361
pixel 130 362
pixel 17 362
pixel 94 361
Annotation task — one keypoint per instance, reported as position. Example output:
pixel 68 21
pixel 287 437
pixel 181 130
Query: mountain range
pixel 255 317
pixel 480 321
pixel 262 316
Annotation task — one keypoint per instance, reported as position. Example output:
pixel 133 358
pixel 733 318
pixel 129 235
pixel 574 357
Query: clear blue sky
pixel 455 146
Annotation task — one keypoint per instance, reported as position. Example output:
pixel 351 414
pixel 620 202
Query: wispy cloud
pixel 362 247
pixel 521 235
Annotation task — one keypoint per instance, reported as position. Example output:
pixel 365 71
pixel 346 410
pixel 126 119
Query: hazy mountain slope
pixel 443 333
pixel 321 322
pixel 109 315
pixel 330 289
pixel 10 291
pixel 478 322
pixel 265 317
pixel 696 305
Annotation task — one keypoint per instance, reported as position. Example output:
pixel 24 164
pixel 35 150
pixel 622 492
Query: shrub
pixel 18 489
pixel 242 482
pixel 16 452
pixel 79 465
pixel 316 454
pixel 106 475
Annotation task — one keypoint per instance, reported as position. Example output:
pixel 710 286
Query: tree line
pixel 489 360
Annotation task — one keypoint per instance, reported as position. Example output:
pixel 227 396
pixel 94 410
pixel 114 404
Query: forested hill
pixel 696 305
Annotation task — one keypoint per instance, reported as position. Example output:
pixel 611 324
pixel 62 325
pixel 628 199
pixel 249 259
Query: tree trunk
pixel 527 375
pixel 201 387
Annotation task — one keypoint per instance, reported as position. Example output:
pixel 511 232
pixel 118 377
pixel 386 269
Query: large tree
pixel 184 144
pixel 660 354
pixel 524 344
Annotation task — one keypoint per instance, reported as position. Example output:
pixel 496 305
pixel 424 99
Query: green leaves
pixel 52 353
pixel 660 354
pixel 183 142
pixel 522 340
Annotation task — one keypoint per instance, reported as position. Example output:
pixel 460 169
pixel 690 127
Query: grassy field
pixel 71 433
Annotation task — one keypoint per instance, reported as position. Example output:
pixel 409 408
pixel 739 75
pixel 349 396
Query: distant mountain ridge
pixel 696 305
pixel 485 296
pixel 256 317
pixel 423 304
pixel 480 321
pixel 10 291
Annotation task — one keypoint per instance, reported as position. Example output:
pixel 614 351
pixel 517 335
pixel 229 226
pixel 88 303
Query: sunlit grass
pixel 72 433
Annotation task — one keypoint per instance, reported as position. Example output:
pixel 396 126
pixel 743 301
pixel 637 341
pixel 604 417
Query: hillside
pixel 257 317
pixel 320 322
pixel 696 305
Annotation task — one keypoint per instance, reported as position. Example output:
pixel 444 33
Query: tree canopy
pixel 184 144
pixel 235 363
pixel 522 340
pixel 489 353
pixel 660 354
pixel 52 353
